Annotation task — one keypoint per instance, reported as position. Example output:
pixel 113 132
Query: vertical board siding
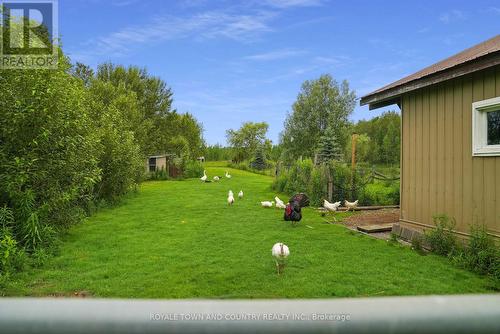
pixel 489 178
pixel 439 173
pixel 467 151
pixel 496 227
pixel 457 151
pixel 425 156
pixel 448 151
pixel 477 163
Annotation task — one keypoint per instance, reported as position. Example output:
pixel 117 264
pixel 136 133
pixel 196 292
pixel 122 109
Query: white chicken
pixel 267 204
pixel 332 207
pixel 230 193
pixel 216 178
pixel 204 177
pixel 240 194
pixel 279 203
pixel 230 198
pixel 280 252
pixel 228 175
pixel 351 205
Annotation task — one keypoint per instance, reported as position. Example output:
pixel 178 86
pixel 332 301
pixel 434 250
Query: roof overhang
pixel 392 95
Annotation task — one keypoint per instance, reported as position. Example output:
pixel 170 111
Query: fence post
pixel 330 185
pixel 353 163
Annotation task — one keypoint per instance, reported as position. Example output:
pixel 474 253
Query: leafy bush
pixel 441 239
pixel 159 174
pixel 193 169
pixel 417 243
pixel 48 154
pixel 11 257
pixel 380 193
pixel 40 257
pixel 304 176
pixel 480 255
pixel 246 166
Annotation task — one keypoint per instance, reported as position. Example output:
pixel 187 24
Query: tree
pixel 114 111
pixel 247 139
pixel 328 147
pixel 83 72
pixel 259 161
pixel 391 144
pixel 48 148
pixel 321 103
pixel 363 147
pixel 384 134
pixel 160 128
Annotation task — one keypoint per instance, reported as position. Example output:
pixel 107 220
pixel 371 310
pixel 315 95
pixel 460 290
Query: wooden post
pixel 330 185
pixel 353 162
pixel 353 153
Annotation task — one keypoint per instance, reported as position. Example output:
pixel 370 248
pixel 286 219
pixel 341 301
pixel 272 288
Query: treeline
pixel 315 147
pixel 72 139
pixel 378 139
pixel 318 128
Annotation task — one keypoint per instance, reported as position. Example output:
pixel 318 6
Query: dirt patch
pixel 370 217
pixel 373 217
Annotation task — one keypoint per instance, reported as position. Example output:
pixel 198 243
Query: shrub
pixel 193 169
pixel 40 257
pixel 11 257
pixel 393 237
pixel 159 174
pixel 441 239
pixel 380 193
pixel 481 255
pixel 304 176
pixel 416 243
pixel 259 161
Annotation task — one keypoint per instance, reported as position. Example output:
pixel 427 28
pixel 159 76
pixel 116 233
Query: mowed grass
pixel 180 239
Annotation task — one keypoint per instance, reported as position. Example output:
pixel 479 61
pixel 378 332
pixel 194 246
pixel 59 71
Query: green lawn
pixel 179 239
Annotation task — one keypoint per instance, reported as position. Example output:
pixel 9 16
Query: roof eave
pixel 389 96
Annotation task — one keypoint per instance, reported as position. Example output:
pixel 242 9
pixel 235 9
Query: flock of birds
pixel 333 207
pixel 280 251
pixel 216 178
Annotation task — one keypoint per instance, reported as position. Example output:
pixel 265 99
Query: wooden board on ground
pixel 375 228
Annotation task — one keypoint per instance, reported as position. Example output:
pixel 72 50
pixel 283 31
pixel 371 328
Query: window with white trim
pixel 486 127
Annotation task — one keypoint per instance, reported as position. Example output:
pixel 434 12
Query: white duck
pixel 267 204
pixel 280 252
pixel 216 178
pixel 204 177
pixel 332 207
pixel 230 198
pixel 240 194
pixel 351 205
pixel 279 203
pixel 228 175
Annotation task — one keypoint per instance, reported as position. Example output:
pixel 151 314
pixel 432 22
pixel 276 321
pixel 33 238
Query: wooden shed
pixel 157 162
pixel 450 139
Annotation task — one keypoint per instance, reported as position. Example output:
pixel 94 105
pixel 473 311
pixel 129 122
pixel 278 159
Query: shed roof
pixel 478 57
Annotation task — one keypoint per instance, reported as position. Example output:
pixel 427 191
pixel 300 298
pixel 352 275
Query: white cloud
pixel 207 25
pixel 495 10
pixel 292 3
pixel 451 16
pixel 275 55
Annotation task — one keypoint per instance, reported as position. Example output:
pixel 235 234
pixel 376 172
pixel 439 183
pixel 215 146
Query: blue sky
pixel 229 62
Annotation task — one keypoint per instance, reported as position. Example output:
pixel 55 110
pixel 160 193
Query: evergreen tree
pixel 329 147
pixel 259 161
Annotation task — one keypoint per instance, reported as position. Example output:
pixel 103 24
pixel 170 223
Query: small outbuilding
pixel 450 139
pixel 157 162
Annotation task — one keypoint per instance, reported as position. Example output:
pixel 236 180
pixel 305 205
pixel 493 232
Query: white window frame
pixel 480 147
